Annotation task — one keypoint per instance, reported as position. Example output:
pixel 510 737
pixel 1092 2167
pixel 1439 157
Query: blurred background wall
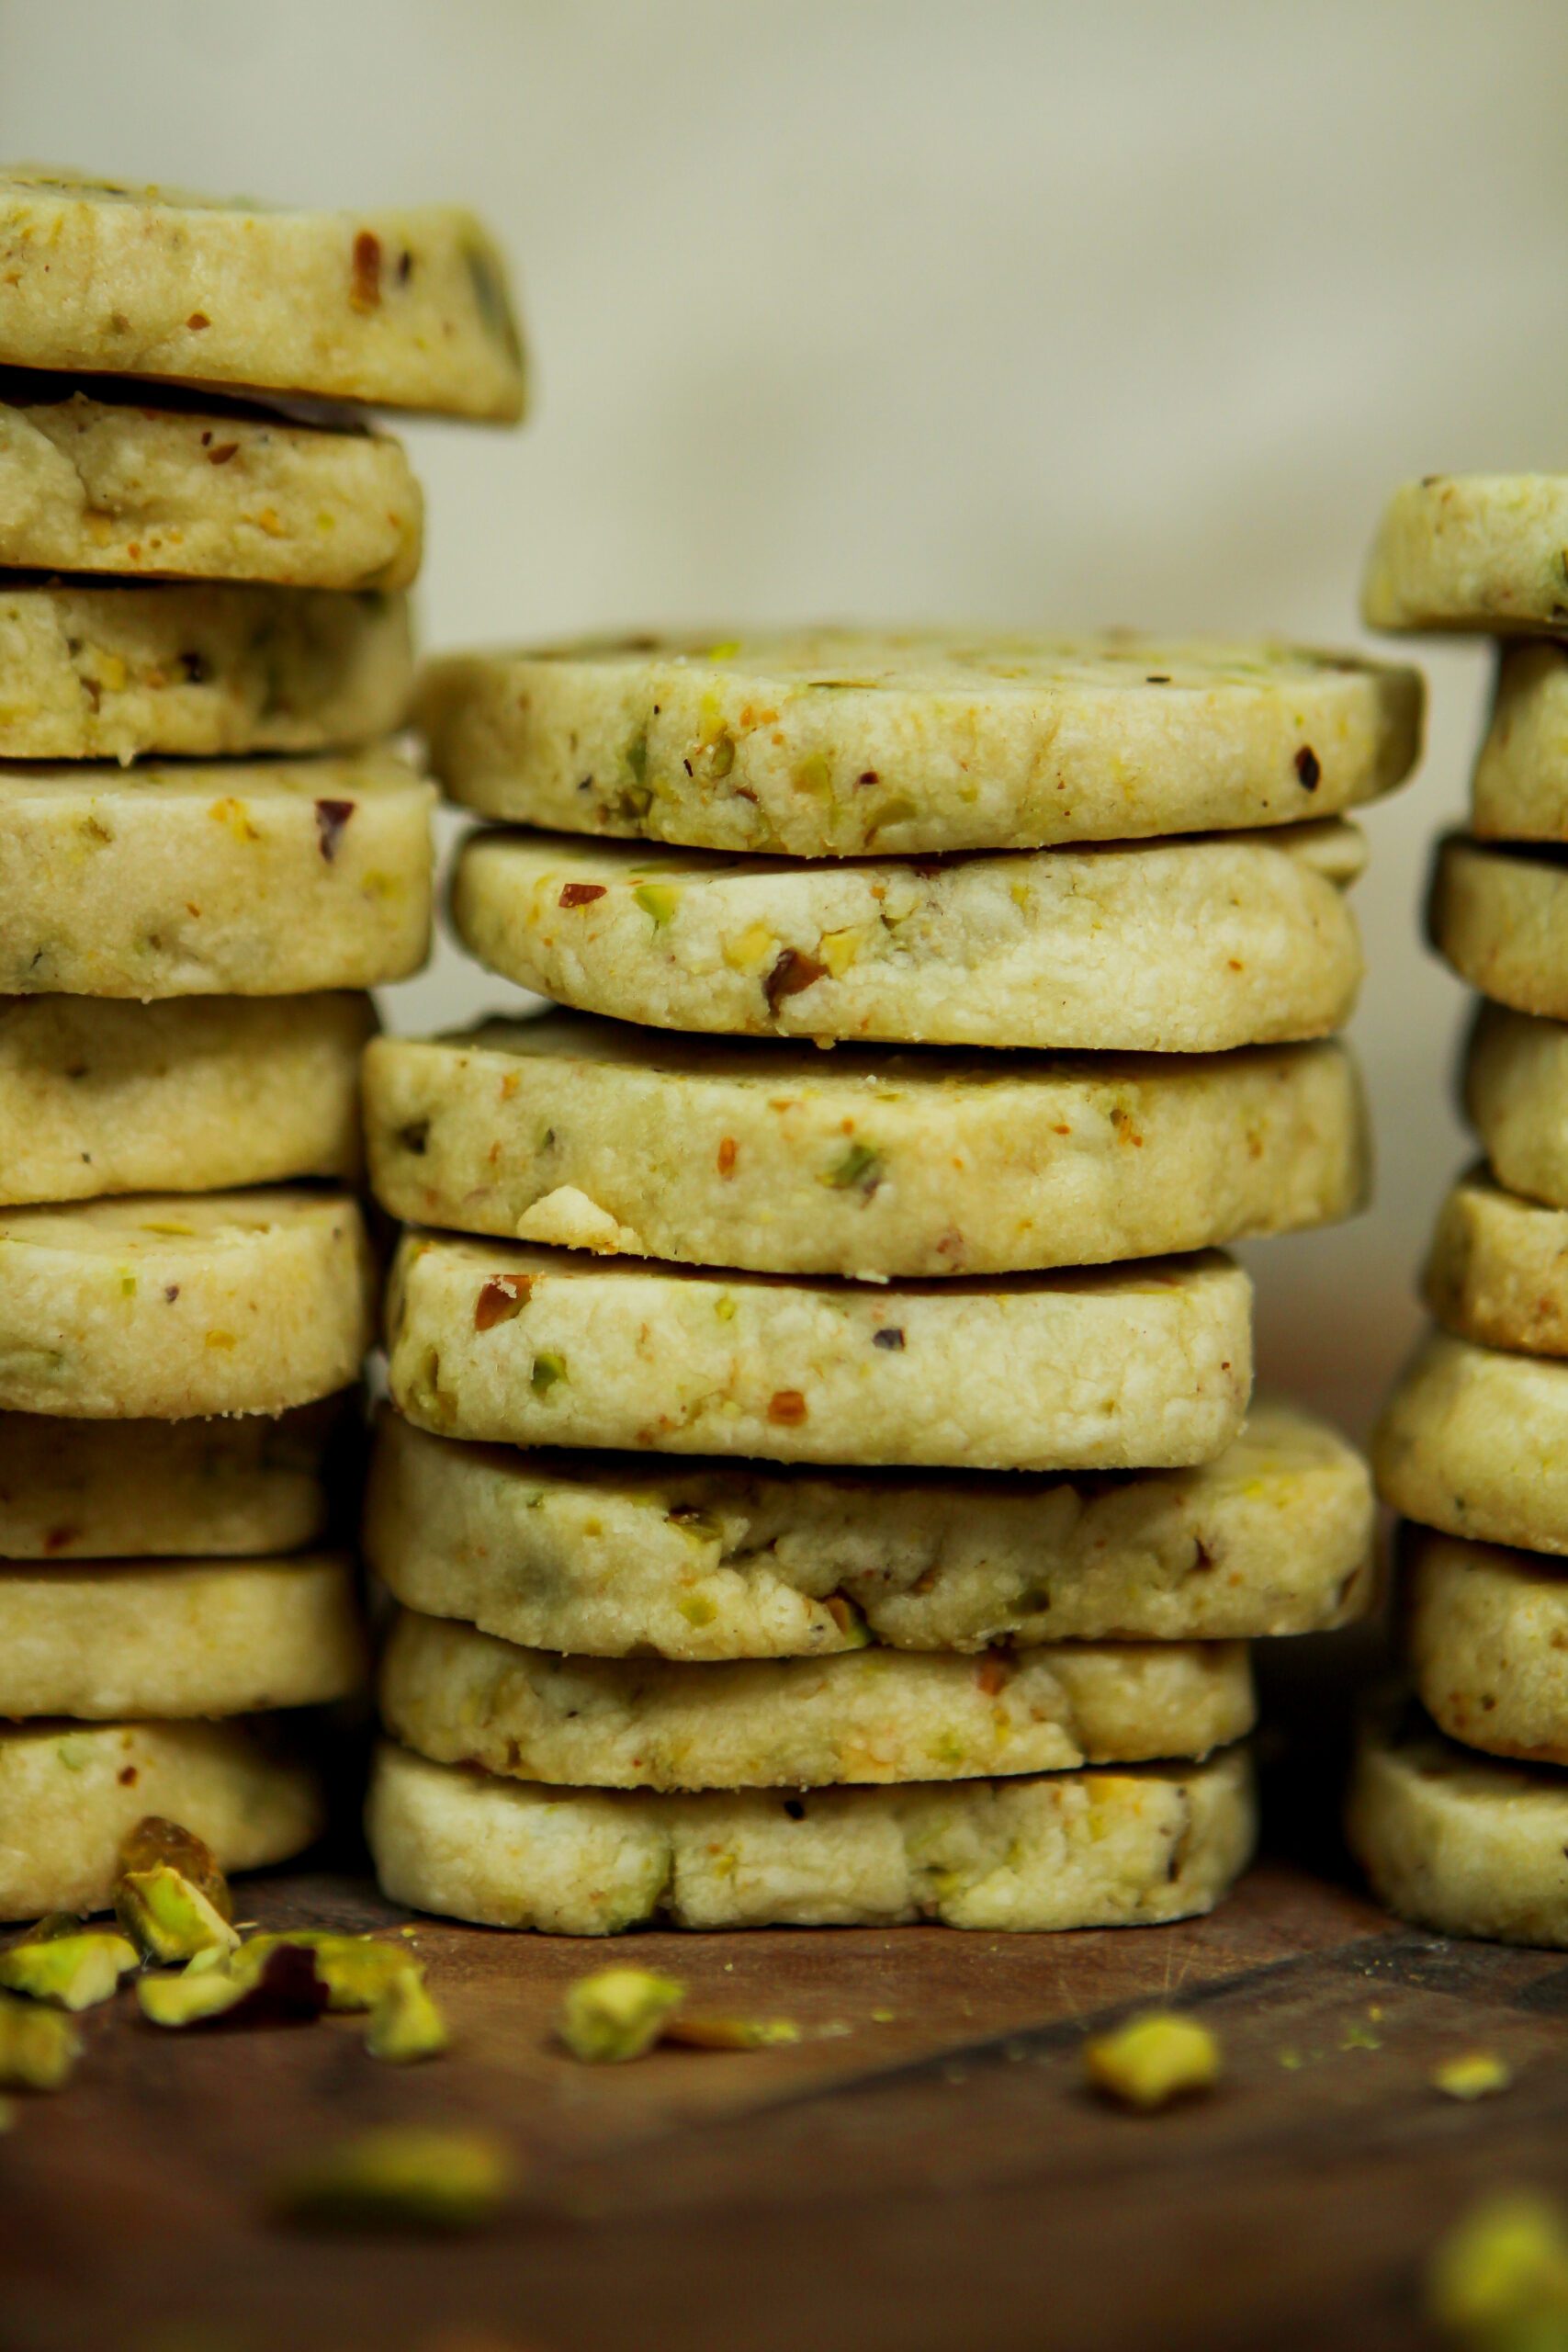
pixel 1000 310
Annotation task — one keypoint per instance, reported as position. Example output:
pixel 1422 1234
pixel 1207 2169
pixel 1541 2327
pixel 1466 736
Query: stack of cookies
pixel 1460 1806
pixel 208 855
pixel 818 1487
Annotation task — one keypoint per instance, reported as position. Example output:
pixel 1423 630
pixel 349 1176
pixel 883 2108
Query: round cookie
pixel 105 483
pixel 1516 1097
pixel 623 1558
pixel 408 308
pixel 193 1095
pixel 102 1490
pixel 774 1156
pixel 842 743
pixel 162 1307
pixel 1109 1369
pixel 272 878
pixel 1471 1441
pixel 1458 1842
pixel 1067 1849
pixel 197 1637
pixel 1480 552
pixel 90 673
pixel 1519 790
pixel 70 1794
pixel 1497 1272
pixel 1181 946
pixel 1486 1633
pixel 1500 918
pixel 460 1697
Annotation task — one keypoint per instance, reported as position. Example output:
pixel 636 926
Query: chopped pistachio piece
pixel 399 2176
pixel 37 2047
pixel 355 1970
pixel 283 1983
pixel 1153 2059
pixel 703 2031
pixel 167 1916
pixel 75 1971
pixel 189 1999
pixel 156 1840
pixel 617 2014
pixel 405 2023
pixel 1474 2073
pixel 1500 2278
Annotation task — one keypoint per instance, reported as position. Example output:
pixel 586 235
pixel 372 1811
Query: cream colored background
pixel 1037 312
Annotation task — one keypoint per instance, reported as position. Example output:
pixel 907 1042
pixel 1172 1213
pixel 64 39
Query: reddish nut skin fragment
pixel 502 1296
pixel 579 893
pixel 365 291
pixel 726 1150
pixel 332 815
pixel 786 1407
pixel 791 974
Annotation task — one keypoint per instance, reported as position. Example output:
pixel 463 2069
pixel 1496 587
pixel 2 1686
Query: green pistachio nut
pixel 77 1972
pixel 405 2024
pixel 617 2014
pixel 167 1917
pixel 39 2047
pixel 399 2178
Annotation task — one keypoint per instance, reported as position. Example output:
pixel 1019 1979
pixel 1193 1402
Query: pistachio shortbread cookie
pixel 163 1307
pixel 838 743
pixel 1471 1441
pixel 776 1156
pixel 408 307
pixel 265 878
pixel 70 1793
pixel 1519 791
pixel 1487 1637
pixel 99 1491
pixel 1498 1269
pixel 1516 1095
pixel 1067 1849
pixel 1185 946
pixel 1500 916
pixel 1110 1369
pixel 1459 1843
pixel 1482 552
pixel 90 673
pixel 193 1095
pixel 178 1638
pixel 621 1558
pixel 106 483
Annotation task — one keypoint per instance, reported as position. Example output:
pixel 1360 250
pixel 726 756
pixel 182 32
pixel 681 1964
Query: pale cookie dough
pixel 1471 1441
pixel 265 878
pixel 1497 1272
pixel 776 1156
pixel 1487 553
pixel 90 673
pixel 115 485
pixel 195 1095
pixel 1111 1369
pixel 1519 790
pixel 1183 946
pixel 1515 1096
pixel 1500 916
pixel 1487 1640
pixel 70 1794
pixel 622 1558
pixel 178 1638
pixel 836 742
pixel 408 308
pixel 98 1490
pixel 163 1307
pixel 1459 1843
pixel 1070 1850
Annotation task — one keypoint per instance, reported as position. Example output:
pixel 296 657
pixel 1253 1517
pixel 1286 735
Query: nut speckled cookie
pixel 460 1697
pixel 90 672
pixel 197 1637
pixel 1516 1095
pixel 1487 1638
pixel 1498 1269
pixel 1500 916
pixel 776 1156
pixel 838 743
pixel 115 484
pixel 1483 552
pixel 265 878
pixel 1067 1849
pixel 98 1490
pixel 1458 1842
pixel 104 277
pixel 1182 947
pixel 70 1793
pixel 1471 1441
pixel 613 1558
pixel 1111 1369
pixel 162 1307
pixel 1519 790
pixel 193 1095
